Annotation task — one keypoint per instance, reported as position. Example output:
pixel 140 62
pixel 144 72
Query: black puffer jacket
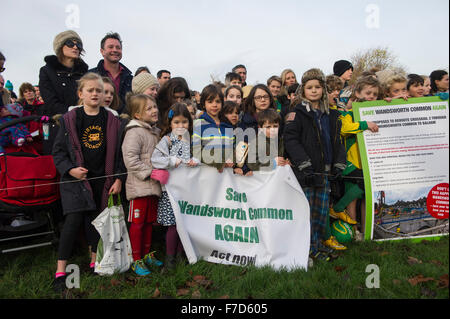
pixel 125 82
pixel 303 144
pixel 58 84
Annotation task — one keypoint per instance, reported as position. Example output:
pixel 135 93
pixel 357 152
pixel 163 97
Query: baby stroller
pixel 29 192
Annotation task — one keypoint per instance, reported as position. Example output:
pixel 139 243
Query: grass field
pixel 406 270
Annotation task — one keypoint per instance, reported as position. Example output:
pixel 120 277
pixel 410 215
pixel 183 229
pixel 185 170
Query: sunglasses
pixel 2 69
pixel 71 44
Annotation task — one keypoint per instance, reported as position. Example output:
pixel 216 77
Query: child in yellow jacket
pixel 366 89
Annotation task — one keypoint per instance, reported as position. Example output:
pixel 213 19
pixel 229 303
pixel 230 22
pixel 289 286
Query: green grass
pixel 29 274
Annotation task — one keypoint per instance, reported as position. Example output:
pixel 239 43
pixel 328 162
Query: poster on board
pixel 406 168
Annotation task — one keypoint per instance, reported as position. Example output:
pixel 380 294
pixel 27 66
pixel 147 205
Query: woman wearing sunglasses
pixel 58 78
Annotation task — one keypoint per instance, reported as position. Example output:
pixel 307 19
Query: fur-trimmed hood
pixel 79 66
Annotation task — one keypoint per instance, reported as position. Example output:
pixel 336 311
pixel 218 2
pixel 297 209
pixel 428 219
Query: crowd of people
pixel 121 133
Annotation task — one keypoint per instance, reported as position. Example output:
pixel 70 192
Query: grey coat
pixel 161 157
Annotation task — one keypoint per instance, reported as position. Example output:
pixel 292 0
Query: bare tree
pixel 373 59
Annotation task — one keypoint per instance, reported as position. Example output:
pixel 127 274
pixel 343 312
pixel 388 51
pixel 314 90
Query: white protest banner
pixel 405 168
pixel 231 219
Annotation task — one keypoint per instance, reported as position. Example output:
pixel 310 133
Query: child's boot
pixel 180 257
pixel 169 263
pixel 342 216
pixel 150 260
pixel 334 244
pixel 59 283
pixel 140 268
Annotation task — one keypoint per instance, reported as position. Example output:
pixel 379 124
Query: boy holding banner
pixel 265 152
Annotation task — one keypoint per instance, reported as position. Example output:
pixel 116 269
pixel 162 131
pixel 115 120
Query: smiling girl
pixel 394 84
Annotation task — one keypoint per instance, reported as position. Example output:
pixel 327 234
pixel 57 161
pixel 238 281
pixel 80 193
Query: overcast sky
pixel 199 38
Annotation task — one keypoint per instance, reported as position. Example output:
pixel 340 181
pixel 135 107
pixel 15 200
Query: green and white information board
pixel 406 168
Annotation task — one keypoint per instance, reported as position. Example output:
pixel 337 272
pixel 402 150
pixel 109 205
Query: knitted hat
pixel 9 86
pixel 142 81
pixel 315 74
pixel 15 109
pixel 62 37
pixel 341 66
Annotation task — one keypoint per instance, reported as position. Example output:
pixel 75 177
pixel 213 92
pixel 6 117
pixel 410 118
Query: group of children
pixel 308 126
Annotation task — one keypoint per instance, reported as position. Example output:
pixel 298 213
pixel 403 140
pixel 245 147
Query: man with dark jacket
pixel 111 50
pixel 242 71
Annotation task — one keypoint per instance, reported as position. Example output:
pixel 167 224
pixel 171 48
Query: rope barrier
pixel 342 177
pixel 65 182
pixel 119 174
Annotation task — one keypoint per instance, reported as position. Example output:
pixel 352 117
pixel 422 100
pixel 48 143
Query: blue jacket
pixel 212 144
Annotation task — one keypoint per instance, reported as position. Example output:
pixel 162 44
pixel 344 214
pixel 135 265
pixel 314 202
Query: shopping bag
pixel 114 247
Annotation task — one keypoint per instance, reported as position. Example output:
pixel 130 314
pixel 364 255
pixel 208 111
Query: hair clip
pixel 170 114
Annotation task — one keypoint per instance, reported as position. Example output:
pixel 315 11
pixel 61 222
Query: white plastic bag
pixel 114 248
